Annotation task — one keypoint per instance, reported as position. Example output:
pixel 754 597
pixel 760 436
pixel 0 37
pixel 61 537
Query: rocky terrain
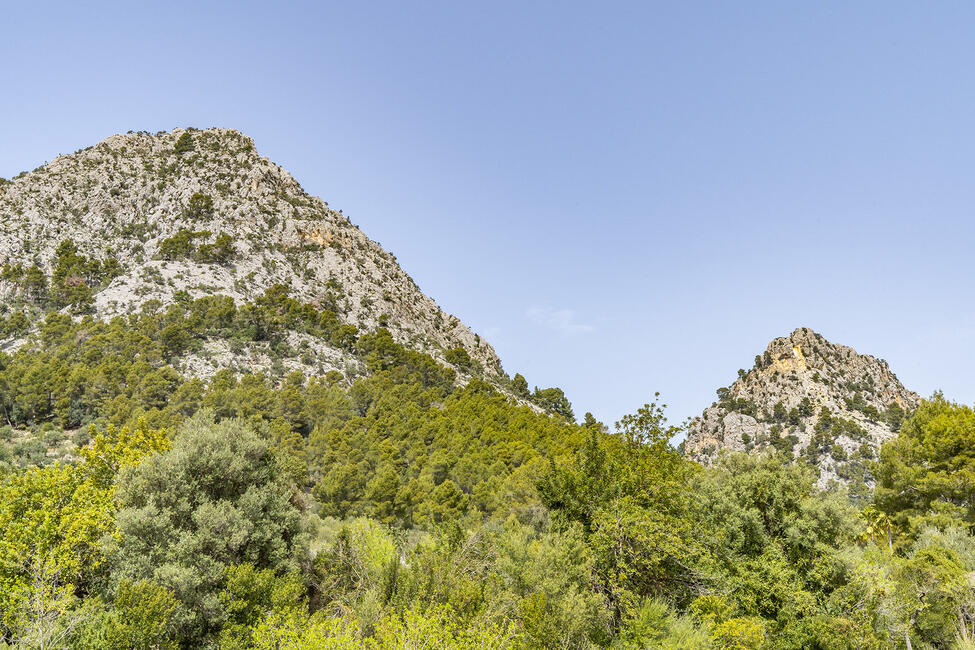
pixel 818 401
pixel 192 213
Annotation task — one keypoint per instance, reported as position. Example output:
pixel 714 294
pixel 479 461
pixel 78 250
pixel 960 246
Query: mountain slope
pixel 809 398
pixel 202 212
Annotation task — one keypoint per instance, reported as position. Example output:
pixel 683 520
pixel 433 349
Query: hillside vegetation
pixel 399 507
pixel 234 422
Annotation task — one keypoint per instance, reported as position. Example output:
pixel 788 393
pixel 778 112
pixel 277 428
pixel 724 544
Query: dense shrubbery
pixel 399 509
pixel 77 371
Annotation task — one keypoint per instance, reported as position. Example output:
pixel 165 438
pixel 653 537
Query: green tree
pixel 219 252
pixel 219 492
pixel 554 400
pixel 184 144
pixel 630 493
pixel 199 207
pixel 776 540
pixel 179 246
pixel 252 595
pixel 54 520
pixel 73 278
pixel 460 358
pixel 926 475
pixel 141 616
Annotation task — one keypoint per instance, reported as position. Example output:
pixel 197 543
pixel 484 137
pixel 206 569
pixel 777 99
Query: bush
pixel 184 144
pixel 219 252
pixel 460 358
pixel 180 245
pixel 200 206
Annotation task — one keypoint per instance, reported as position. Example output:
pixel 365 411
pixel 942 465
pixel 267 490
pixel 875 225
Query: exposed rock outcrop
pixel 126 197
pixel 818 401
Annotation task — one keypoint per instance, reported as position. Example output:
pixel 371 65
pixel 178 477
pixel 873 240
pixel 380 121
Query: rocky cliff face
pixel 192 213
pixel 815 400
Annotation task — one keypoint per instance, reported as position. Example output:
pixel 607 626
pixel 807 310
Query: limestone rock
pixel 814 400
pixel 124 196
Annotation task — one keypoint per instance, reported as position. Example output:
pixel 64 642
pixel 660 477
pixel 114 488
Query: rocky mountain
pixel 818 401
pixel 189 213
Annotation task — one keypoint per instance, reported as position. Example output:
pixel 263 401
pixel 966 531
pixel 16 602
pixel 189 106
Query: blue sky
pixel 622 197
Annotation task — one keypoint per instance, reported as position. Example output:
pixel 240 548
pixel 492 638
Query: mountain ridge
pixel 198 212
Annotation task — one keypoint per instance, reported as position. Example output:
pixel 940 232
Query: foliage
pixel 554 400
pixel 926 474
pixel 184 143
pixel 54 520
pixel 627 492
pixel 219 252
pixel 777 538
pixel 141 616
pixel 74 280
pixel 199 207
pixel 396 508
pixel 180 245
pixel 218 491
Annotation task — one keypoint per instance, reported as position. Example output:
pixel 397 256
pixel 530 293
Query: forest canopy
pixel 403 506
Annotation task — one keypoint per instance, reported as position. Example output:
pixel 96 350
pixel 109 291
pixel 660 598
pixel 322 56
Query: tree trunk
pixel 907 632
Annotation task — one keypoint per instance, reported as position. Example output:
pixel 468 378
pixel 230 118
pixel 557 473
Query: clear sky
pixel 622 197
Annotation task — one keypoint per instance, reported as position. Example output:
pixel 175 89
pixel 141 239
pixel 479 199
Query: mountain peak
pixel 194 212
pixel 811 399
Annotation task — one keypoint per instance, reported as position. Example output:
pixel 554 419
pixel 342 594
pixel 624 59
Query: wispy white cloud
pixel 563 321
